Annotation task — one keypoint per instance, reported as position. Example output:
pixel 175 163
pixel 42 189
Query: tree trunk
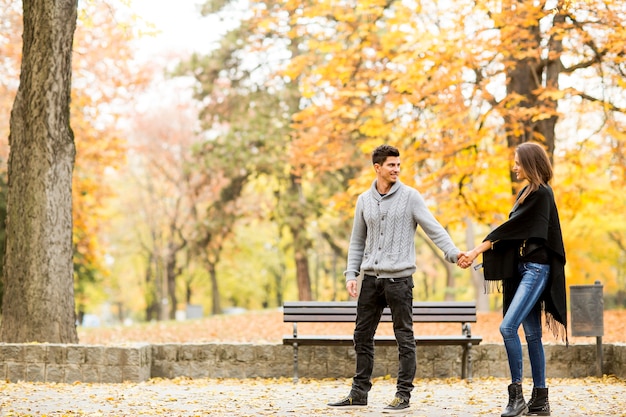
pixel 522 67
pixel 170 274
pixel 151 294
pixel 301 242
pixel 38 274
pixel 302 275
pixel 278 275
pixel 216 307
pixel 553 68
pixel 526 73
pixel 172 271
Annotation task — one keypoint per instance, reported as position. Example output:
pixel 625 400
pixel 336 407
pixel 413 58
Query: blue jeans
pixel 375 295
pixel 525 309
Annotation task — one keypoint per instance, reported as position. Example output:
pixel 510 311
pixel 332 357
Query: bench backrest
pixel 345 311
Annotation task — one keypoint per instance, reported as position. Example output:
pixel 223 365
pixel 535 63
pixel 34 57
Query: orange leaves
pixel 374 125
pixel 103 80
pixel 11 53
pixel 297 66
pixel 455 87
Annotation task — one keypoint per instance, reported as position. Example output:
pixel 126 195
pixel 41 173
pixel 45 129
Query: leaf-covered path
pixel 270 397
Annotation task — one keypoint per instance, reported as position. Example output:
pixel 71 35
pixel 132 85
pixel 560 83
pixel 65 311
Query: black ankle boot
pixel 538 404
pixel 516 406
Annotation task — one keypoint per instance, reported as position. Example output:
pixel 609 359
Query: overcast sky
pixel 183 29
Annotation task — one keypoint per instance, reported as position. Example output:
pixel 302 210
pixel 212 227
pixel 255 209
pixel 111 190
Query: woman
pixel 526 256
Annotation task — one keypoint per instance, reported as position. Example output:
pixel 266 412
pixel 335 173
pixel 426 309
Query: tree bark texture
pixel 523 79
pixel 528 73
pixel 38 274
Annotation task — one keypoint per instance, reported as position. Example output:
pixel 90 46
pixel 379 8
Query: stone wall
pixel 72 363
pixel 140 362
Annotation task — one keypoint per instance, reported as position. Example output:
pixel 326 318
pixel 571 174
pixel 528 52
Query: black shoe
pixel 350 402
pixel 538 405
pixel 398 405
pixel 516 406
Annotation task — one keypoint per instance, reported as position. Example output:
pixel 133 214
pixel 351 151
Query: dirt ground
pixel 267 327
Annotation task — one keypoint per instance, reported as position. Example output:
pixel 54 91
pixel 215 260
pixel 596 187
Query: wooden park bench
pixel 345 311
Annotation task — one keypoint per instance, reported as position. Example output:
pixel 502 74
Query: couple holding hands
pixel 524 258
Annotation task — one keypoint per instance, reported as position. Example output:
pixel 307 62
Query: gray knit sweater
pixel 383 234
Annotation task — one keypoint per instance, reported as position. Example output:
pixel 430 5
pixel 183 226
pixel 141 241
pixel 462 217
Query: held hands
pixel 465 259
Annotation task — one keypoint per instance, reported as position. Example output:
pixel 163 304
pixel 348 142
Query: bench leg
pixel 295 362
pixel 466 371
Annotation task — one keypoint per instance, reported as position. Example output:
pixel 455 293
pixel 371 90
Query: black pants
pixel 375 295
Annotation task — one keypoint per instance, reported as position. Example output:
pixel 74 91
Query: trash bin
pixel 193 311
pixel 587 313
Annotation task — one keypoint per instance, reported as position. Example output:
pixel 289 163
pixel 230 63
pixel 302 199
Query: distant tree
pixel 38 301
pixel 162 206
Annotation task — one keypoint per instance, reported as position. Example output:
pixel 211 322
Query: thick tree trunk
pixel 38 274
pixel 552 69
pixel 527 72
pixel 522 78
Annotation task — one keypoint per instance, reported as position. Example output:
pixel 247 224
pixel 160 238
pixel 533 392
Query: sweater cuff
pixel 351 276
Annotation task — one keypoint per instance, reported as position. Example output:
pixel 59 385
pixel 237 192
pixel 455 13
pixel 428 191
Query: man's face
pixel 389 170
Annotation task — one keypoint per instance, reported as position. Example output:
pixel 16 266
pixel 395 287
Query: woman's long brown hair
pixel 535 162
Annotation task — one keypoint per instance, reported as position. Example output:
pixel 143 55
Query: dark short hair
pixel 381 153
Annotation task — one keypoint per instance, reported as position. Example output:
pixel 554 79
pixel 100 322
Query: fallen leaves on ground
pixel 267 326
pixel 183 397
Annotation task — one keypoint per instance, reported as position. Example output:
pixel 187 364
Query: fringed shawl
pixel 536 218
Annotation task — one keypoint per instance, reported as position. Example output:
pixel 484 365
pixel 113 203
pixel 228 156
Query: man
pixel 382 245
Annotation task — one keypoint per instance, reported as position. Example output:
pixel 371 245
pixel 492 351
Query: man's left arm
pixel 434 230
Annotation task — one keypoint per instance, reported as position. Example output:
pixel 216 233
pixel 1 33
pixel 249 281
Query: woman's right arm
pixel 466 261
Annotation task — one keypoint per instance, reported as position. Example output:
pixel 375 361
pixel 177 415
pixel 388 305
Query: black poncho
pixel 536 218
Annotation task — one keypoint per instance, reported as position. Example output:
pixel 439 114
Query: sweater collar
pixel 395 187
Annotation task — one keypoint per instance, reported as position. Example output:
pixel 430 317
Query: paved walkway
pixel 266 397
